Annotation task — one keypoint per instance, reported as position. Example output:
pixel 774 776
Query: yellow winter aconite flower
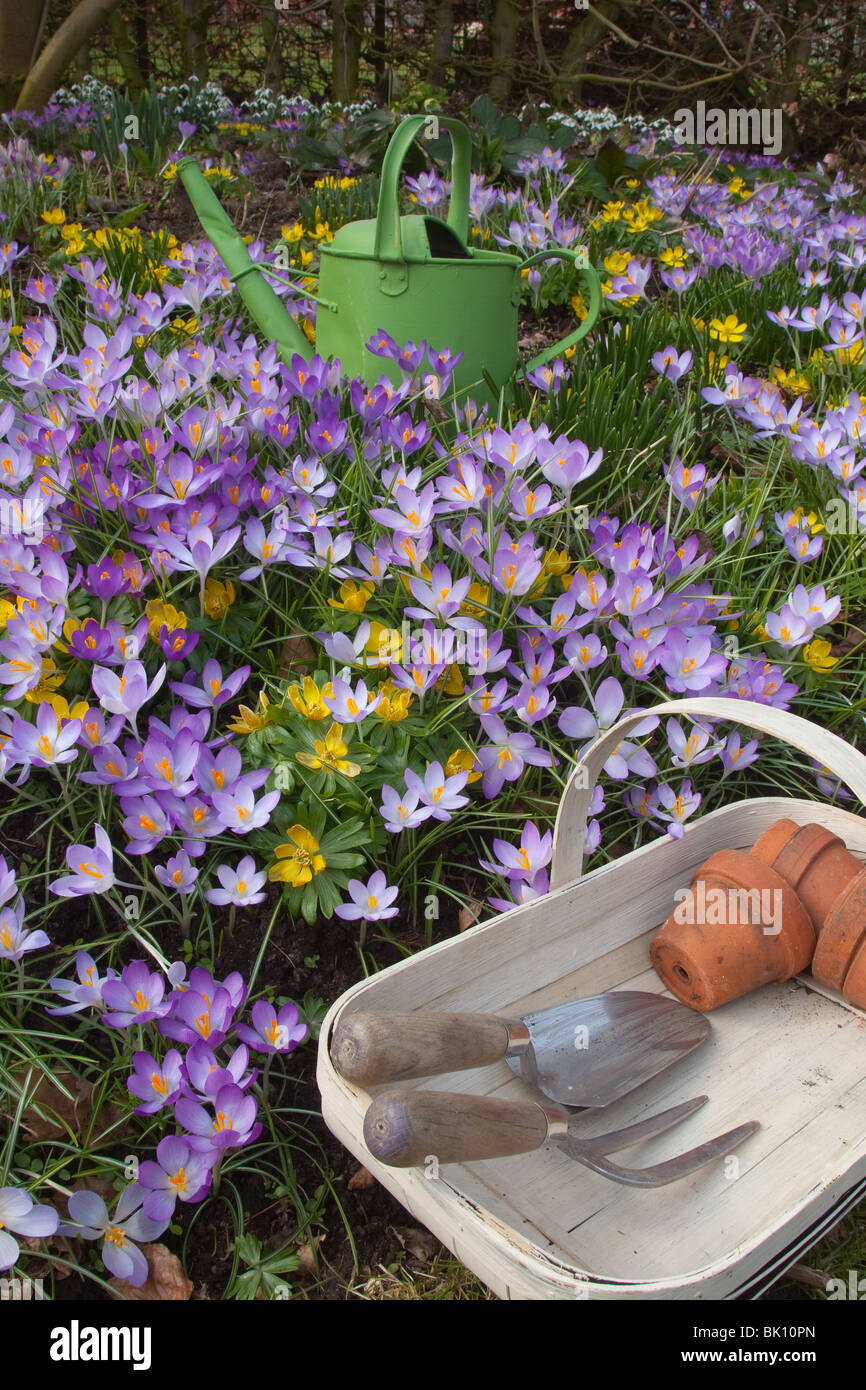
pixel 299 858
pixel 308 699
pixel 55 217
pixel 612 212
pixel 328 756
pixel 792 381
pixel 248 721
pixel 579 305
pixel 674 256
pixel 462 761
pixel 556 562
pixel 475 602
pixel 800 519
pixel 394 705
pixel 728 330
pixel 7 611
pixel 170 173
pixel 617 262
pixel 159 613
pixel 61 708
pixel 817 655
pixel 353 597
pixel 715 367
pixel 218 597
pixel 384 643
pixel 453 683
pixel 292 233
pixel 49 679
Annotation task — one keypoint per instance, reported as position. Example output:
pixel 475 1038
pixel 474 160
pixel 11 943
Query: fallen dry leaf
pixel 420 1244
pixel 298 654
pixel 165 1283
pixel 361 1181
pixel 61 1103
pixel 468 916
pixel 306 1256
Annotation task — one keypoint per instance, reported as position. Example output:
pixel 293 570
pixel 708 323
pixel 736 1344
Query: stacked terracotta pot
pixel 797 899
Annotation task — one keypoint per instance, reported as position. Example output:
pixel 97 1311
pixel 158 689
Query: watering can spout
pixel 267 309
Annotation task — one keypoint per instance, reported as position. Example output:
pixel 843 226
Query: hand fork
pixel 403 1128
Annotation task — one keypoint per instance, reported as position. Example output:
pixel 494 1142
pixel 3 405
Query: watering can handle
pixel 568 835
pixel 594 303
pixel 388 245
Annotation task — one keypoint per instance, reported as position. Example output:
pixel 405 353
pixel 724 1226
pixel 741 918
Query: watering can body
pixel 414 278
pixel 467 304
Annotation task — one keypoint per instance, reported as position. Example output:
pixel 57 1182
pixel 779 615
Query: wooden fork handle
pixel 369 1048
pixel 405 1128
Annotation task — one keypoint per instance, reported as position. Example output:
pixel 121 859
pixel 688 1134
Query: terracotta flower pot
pixel 854 987
pixel 740 926
pixel 813 860
pixel 841 937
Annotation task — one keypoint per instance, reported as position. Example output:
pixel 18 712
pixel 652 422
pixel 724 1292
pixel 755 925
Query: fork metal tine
pixel 659 1174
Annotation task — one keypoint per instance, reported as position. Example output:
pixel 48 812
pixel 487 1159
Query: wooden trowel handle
pixel 405 1128
pixel 369 1048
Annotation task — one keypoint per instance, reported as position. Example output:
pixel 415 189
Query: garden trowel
pixel 588 1052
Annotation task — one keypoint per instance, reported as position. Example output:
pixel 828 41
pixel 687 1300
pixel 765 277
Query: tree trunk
pixel 20 29
pixel 800 36
pixel 378 53
pixel 273 73
pixel 196 17
pixel 443 38
pixel 347 18
pixel 47 72
pixel 584 38
pixel 142 46
pixel 504 29
pixel 126 55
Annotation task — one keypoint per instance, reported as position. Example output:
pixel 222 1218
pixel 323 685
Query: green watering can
pixel 414 277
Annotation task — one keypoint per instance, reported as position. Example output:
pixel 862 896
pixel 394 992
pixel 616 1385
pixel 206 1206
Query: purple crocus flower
pixel 272 1031
pixel 690 662
pixel 231 1126
pixel 86 991
pixel 176 643
pixel 92 869
pixel 371 902
pixel 238 809
pixel 672 364
pixel 438 792
pixel 90 642
pixel 49 742
pixel 155 1084
pixel 533 855
pixel 15 941
pixel 7 882
pixel 214 690
pixel 19 1213
pixel 179 1174
pixel 90 1221
pixel 105 580
pixel 199 1017
pixel 178 873
pixel 205 1075
pixel 675 807
pixel 736 755
pixel 582 724
pixel 127 692
pixel 240 887
pixel 137 997
pixel 504 758
pixel 401 812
